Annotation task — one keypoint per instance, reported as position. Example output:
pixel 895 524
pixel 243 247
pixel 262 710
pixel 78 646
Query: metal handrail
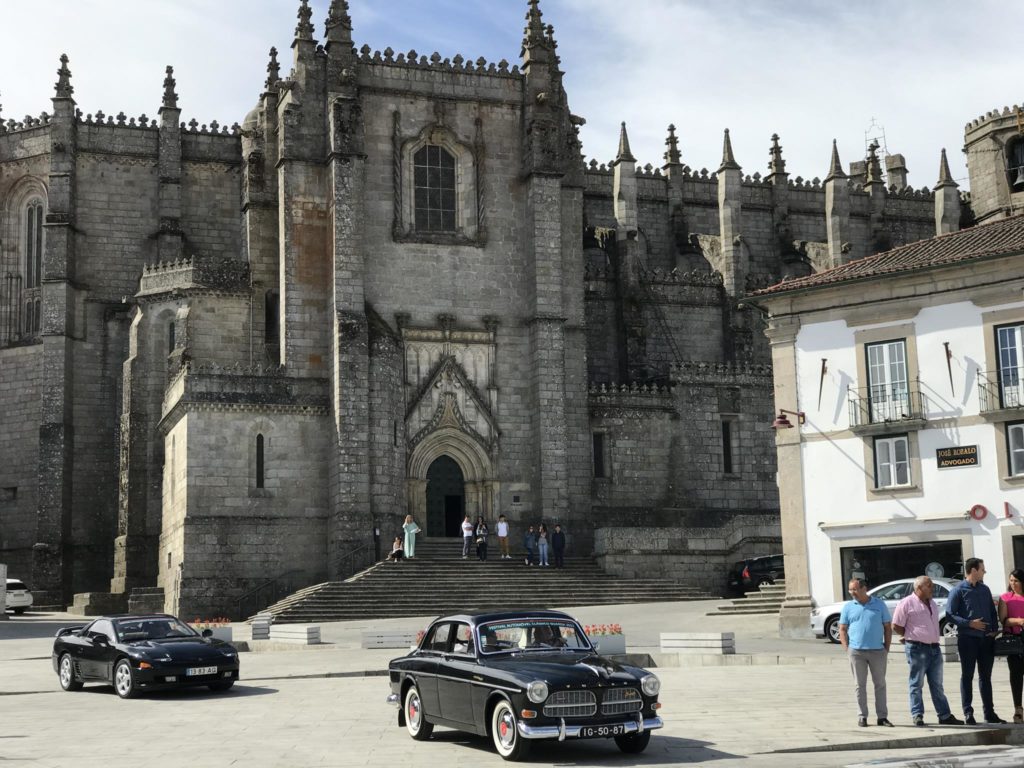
pixel 349 557
pixel 878 405
pixel 258 591
pixel 996 393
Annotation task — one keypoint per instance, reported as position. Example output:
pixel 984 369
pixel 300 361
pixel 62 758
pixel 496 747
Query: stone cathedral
pixel 397 287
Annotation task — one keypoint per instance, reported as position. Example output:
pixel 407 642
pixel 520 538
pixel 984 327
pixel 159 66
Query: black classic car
pixel 142 653
pixel 521 676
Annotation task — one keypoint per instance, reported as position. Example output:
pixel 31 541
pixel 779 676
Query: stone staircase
pixel 439 581
pixel 767 599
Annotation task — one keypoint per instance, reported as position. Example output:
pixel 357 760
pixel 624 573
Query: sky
pixel 911 71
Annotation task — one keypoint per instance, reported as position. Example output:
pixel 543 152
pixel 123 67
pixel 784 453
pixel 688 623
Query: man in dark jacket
pixel 558 546
pixel 971 608
pixel 530 544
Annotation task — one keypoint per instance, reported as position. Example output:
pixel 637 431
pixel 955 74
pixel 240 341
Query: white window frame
pixel 1010 356
pixel 888 465
pixel 1015 448
pixel 888 383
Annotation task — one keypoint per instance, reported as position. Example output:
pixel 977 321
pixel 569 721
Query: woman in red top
pixel 1011 616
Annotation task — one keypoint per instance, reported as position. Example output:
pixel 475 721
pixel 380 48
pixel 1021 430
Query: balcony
pixel 886 408
pixel 1001 394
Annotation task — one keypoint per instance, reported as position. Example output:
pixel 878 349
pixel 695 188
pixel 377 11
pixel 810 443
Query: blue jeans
pixel 976 652
pixel 926 662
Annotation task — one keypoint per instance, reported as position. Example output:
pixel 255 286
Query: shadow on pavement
pixel 663 750
pixel 238 691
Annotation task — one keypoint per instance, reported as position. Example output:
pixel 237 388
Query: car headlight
pixel 651 685
pixel 537 691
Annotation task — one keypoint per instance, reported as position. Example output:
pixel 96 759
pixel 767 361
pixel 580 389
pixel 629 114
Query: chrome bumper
pixel 394 699
pixel 563 731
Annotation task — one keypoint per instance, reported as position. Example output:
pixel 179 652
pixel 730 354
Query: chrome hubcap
pixel 414 711
pixel 65 671
pixel 123 679
pixel 506 729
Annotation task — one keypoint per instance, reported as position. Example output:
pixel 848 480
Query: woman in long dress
pixel 411 529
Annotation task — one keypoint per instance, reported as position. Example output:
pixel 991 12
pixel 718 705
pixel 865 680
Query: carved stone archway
pixel 480 486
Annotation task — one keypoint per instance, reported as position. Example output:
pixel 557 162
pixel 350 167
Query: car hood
pixel 185 649
pixel 566 668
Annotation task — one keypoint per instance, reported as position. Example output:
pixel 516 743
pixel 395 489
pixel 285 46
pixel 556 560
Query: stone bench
pixel 302 634
pixel 261 626
pixel 395 638
pixel 700 643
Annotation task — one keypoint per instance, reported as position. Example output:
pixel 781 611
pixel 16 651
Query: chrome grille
pixel 570 704
pixel 618 701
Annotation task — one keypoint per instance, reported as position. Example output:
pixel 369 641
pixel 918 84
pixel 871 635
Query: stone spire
pixel 835 168
pixel 538 41
pixel 776 164
pixel 945 177
pixel 339 23
pixel 672 156
pixel 624 155
pixel 273 70
pixel 63 86
pixel 304 29
pixel 728 160
pixel 170 96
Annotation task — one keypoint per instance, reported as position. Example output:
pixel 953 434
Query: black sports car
pixel 520 676
pixel 142 653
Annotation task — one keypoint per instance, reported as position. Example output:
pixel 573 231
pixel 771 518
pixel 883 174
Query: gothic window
pixel 600 467
pixel 271 319
pixel 434 175
pixel 33 243
pixel 260 478
pixel 171 342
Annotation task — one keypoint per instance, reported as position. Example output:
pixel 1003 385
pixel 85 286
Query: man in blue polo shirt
pixel 865 630
pixel 971 608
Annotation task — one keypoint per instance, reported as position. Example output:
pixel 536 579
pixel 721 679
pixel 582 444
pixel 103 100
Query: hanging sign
pixel 957 456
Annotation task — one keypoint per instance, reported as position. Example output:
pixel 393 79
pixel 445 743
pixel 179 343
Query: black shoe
pixel 994 719
pixel 919 721
pixel 885 721
pixel 969 720
pixel 862 722
pixel 951 719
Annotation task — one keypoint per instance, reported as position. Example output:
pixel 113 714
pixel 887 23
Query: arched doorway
pixel 446 497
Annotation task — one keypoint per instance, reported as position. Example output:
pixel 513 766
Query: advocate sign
pixel 957 456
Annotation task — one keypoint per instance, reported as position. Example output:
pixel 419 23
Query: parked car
pixel 825 619
pixel 751 573
pixel 19 599
pixel 142 653
pixel 520 676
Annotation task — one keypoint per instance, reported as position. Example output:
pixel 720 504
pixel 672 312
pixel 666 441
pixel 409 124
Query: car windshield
pixel 531 634
pixel 157 628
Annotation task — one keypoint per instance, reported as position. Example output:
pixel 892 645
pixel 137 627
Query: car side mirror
pixel 207 633
pixel 596 644
pixel 101 639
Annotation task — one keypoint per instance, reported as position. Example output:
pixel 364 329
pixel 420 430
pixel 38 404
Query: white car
pixel 825 619
pixel 18 597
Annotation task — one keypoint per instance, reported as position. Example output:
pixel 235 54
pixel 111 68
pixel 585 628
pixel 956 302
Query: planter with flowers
pixel 220 629
pixel 607 637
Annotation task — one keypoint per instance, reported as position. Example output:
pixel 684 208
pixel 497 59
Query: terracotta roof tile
pixel 1002 237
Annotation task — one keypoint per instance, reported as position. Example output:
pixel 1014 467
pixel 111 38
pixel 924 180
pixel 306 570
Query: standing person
pixel 558 546
pixel 467 536
pixel 916 618
pixel 502 530
pixel 530 544
pixel 542 544
pixel 1011 617
pixel 481 538
pixel 411 529
pixel 865 631
pixel 971 608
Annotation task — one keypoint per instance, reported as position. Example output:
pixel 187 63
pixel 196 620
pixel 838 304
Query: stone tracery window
pixel 32 264
pixel 434 174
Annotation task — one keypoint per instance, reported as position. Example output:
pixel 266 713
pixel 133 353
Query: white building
pixel 902 375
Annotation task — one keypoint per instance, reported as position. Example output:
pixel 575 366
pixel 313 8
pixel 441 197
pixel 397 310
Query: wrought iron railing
pixel 999 390
pixel 355 560
pixel 267 593
pixel 886 403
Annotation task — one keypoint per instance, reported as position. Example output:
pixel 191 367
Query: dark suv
pixel 747 575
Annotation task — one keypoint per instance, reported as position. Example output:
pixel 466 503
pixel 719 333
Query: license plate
pixel 196 671
pixel 598 731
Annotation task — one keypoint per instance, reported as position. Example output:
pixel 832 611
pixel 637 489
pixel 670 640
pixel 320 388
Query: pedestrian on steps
pixel 502 530
pixel 482 532
pixel 558 546
pixel 467 536
pixel 411 529
pixel 530 544
pixel 542 544
pixel 396 550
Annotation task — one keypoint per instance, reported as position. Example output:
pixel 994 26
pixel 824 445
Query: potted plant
pixel 220 628
pixel 608 638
